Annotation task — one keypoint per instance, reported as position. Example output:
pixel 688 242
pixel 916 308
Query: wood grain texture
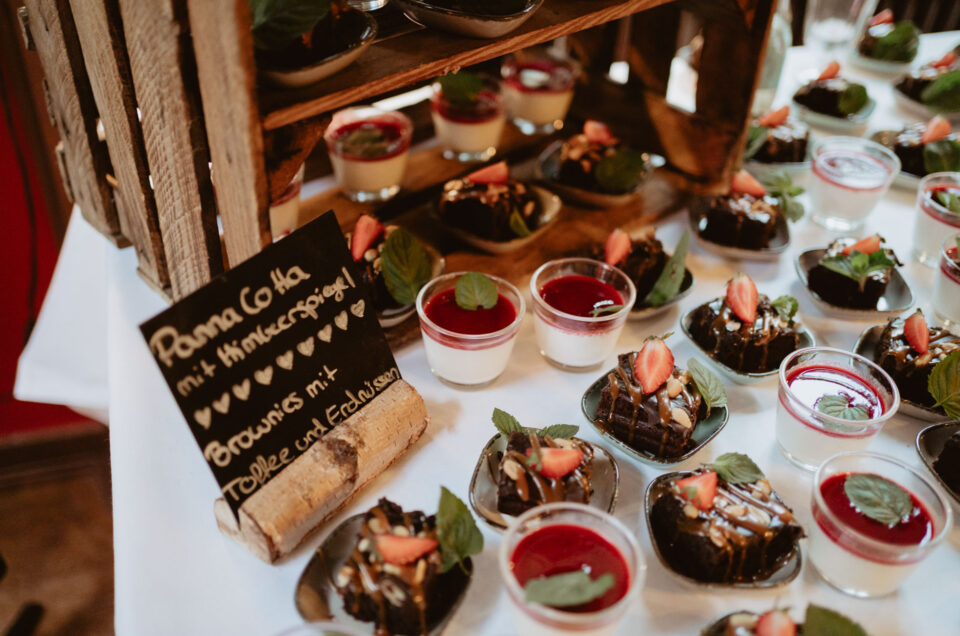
pixel 403 60
pixel 23 17
pixel 74 112
pixel 105 56
pixel 161 63
pixel 224 56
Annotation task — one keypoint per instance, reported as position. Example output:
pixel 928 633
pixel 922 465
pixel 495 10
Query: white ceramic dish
pixel 779 242
pixel 880 67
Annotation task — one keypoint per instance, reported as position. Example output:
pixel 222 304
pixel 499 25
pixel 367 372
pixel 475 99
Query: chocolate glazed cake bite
pixel 488 204
pixel 538 469
pixel 909 349
pixel 853 274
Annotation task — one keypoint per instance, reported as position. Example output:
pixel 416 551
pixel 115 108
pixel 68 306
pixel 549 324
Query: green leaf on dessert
pixel 944 383
pixel 782 187
pixel 476 290
pixel 821 621
pixel 899 45
pixel 857 265
pixel 622 171
pixel 460 88
pixel 367 143
pixel 942 156
pixel 950 199
pixel 943 94
pixel 457 532
pixel 756 137
pixel 852 99
pixel 671 278
pixel 878 498
pixel 506 423
pixel 736 468
pixel 603 310
pixel 405 265
pixel 558 431
pixel 786 306
pixel 839 406
pixel 709 385
pixel 278 23
pixel 517 225
pixel 568 589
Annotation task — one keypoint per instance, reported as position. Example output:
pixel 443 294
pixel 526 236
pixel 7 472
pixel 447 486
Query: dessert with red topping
pixel 938 214
pixel 597 161
pixel 537 90
pixel 657 276
pixel 468 116
pixel 722 523
pixel 776 137
pixel 832 95
pixel 745 218
pixel 917 84
pixel 777 622
pixel 853 273
pixel 926 148
pixel 745 330
pixel 890 41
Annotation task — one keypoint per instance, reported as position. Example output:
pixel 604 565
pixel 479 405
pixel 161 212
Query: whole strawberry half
pixel 774 118
pixel 365 233
pixel 776 623
pixel 495 174
pixel 558 462
pixel 917 333
pixel 398 550
pixel 653 365
pixel 598 132
pixel 742 297
pixel 699 489
pixel 867 245
pixel 745 183
pixel 832 70
pixel 935 130
pixel 617 247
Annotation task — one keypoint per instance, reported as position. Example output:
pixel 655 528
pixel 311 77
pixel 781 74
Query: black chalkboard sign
pixel 270 356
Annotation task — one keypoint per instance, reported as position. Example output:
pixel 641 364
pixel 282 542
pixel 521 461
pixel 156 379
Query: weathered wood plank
pixel 105 56
pixel 161 64
pixel 74 112
pixel 227 77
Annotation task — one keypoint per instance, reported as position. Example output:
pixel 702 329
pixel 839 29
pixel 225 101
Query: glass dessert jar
pixel 850 177
pixel 469 129
pixel 368 149
pixel 285 210
pixel 934 219
pixel 856 553
pixel 537 90
pixel 946 285
pixel 580 306
pixel 468 347
pixel 830 401
pixel 559 538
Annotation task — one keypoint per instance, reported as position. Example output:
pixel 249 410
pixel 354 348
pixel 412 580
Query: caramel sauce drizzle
pixel 547 489
pixel 765 327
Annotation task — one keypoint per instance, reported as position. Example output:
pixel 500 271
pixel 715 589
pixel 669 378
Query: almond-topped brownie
pixel 919 79
pixel 909 349
pixel 853 273
pixel 741 220
pixel 947 464
pixel 784 138
pixel 597 161
pixel 490 205
pixel 538 469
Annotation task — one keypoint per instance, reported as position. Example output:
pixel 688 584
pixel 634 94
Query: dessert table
pixel 177 574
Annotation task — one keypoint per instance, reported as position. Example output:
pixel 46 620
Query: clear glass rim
pixel 364 112
pixel 616 271
pixel 494 84
pixel 885 154
pixel 952 177
pixel 471 337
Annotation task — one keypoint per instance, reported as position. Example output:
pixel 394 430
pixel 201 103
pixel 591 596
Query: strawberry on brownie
pixel 744 218
pixel 853 273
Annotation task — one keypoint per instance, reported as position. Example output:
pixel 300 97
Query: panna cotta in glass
pixel 938 214
pixel 875 520
pixel 368 150
pixel 850 176
pixel 468 347
pixel 580 306
pixel 468 123
pixel 946 285
pixel 830 401
pixel 285 209
pixel 566 539
pixel 537 90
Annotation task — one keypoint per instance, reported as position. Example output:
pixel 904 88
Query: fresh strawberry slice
pixel 936 129
pixel 776 623
pixel 745 183
pixel 598 132
pixel 365 233
pixel 774 118
pixel 742 297
pixel 867 245
pixel 947 60
pixel 916 332
pixel 653 365
pixel 832 70
pixel 402 550
pixel 617 247
pixel 557 462
pixel 497 173
pixel 699 489
pixel 884 17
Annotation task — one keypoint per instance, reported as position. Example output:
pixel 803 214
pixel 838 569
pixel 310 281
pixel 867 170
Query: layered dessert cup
pixel 537 91
pixel 469 131
pixel 946 285
pixel 368 150
pixel 468 347
pixel 859 554
pixel 580 306
pixel 562 538
pixel 830 401
pixel 934 220
pixel 850 177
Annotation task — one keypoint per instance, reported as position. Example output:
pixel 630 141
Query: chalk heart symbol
pixel 242 390
pixel 357 308
pixel 340 320
pixel 202 416
pixel 326 333
pixel 264 376
pixel 285 360
pixel 306 347
pixel 223 404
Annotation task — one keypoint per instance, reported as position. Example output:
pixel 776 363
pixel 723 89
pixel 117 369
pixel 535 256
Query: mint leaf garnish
pixel 622 171
pixel 736 468
pixel 944 383
pixel 821 621
pixel 671 278
pixel 603 310
pixel 878 498
pixel 518 226
pixel 756 137
pixel 786 307
pixel 508 424
pixel 558 431
pixel 839 406
pixel 857 265
pixel 782 187
pixel 475 290
pixel 852 99
pixel 709 385
pixel 277 23
pixel 405 265
pixel 942 156
pixel 943 95
pixel 949 199
pixel 567 589
pixel 457 532
pixel 460 88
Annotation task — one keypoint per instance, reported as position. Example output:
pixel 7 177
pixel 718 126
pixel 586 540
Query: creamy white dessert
pixel 933 222
pixel 467 366
pixel 808 444
pixel 368 150
pixel 575 348
pixel 471 137
pixel 946 287
pixel 537 107
pixel 369 175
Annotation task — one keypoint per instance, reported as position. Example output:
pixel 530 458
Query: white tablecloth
pixel 176 574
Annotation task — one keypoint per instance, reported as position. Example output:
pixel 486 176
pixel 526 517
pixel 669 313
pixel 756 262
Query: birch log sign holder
pixel 288 385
